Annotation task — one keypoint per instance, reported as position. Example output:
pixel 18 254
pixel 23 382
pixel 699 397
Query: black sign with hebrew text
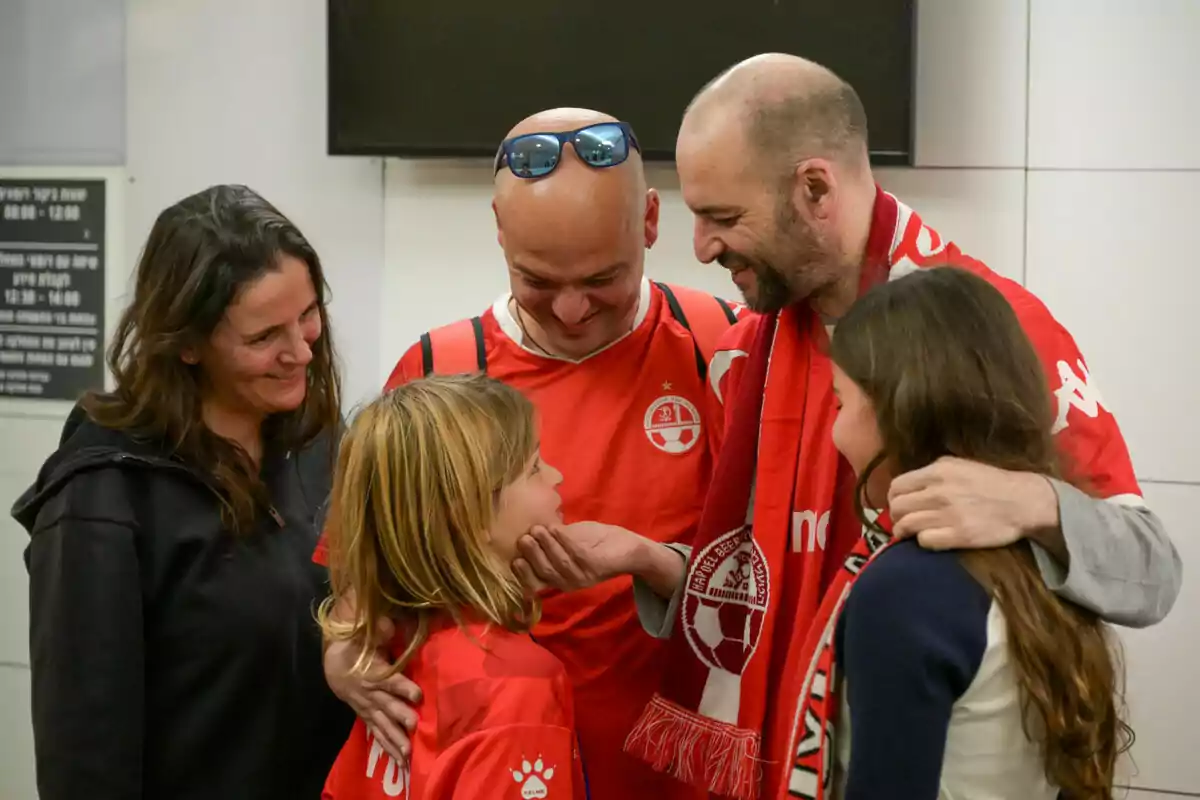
pixel 51 287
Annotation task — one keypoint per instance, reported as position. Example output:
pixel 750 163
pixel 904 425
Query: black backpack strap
pixel 480 348
pixel 681 318
pixel 729 315
pixel 427 354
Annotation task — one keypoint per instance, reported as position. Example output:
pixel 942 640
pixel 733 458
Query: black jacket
pixel 171 660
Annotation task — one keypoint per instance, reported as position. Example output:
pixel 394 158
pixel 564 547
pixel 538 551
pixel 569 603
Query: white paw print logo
pixel 532 778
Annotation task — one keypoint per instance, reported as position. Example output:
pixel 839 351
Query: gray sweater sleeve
pixel 1123 565
pixel 657 614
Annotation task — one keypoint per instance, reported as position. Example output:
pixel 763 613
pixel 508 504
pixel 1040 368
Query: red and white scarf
pixel 816 718
pixel 705 725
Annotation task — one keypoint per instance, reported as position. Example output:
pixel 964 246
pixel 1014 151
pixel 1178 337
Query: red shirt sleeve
pixel 514 761
pixel 1095 456
pixel 406 369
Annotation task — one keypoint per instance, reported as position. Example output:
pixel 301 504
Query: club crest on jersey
pixel 672 424
pixel 725 601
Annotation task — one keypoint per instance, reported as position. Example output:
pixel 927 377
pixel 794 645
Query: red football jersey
pixel 496 721
pixel 1086 432
pixel 629 430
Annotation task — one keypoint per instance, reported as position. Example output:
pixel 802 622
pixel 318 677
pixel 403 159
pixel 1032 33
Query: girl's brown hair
pixel 201 252
pixel 418 480
pixel 950 372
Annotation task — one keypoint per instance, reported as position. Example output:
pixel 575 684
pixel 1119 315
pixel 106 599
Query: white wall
pixel 233 91
pixel 1114 188
pixel 1053 144
pixel 62 82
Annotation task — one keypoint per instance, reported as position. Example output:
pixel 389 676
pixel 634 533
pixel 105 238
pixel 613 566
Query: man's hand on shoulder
pixel 384 702
pixel 959 504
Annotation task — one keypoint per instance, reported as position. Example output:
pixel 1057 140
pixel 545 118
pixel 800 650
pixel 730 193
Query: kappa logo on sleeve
pixel 1076 390
pixel 533 779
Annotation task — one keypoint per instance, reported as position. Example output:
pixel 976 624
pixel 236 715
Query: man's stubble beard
pixel 802 267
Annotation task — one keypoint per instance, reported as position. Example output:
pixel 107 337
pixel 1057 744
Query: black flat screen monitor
pixel 414 78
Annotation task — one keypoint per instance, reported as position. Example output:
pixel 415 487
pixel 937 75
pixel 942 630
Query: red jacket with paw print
pixel 496 722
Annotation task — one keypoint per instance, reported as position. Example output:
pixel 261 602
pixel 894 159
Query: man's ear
pixel 499 227
pixel 653 206
pixel 815 188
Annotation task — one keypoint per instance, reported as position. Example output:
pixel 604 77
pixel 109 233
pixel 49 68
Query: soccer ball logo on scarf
pixel 725 601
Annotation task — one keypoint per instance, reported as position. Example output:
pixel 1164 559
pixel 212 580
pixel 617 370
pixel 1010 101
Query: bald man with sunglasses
pixel 616 365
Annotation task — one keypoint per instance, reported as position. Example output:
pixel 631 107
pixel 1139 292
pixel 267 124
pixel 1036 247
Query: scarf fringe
pixel 697 750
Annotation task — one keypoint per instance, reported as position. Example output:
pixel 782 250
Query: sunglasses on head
pixel 534 155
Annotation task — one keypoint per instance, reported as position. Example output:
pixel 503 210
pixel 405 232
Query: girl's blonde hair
pixel 418 479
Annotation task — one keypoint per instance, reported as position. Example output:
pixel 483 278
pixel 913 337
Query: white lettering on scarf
pixel 810 531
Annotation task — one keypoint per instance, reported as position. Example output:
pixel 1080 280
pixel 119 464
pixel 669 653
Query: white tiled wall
pixel 1052 143
pixel 1115 85
pixel 234 91
pixel 1110 252
pixel 971 83
pixel 1113 198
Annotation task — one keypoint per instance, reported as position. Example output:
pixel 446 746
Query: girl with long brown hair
pixel 435 483
pixel 962 674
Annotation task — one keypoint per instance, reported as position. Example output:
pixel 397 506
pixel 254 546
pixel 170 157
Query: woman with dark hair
pixel 961 673
pixel 175 652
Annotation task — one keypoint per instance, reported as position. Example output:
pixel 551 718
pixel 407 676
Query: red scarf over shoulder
pixel 706 724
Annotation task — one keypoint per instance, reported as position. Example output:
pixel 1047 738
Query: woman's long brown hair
pixel 950 372
pixel 200 253
pixel 417 487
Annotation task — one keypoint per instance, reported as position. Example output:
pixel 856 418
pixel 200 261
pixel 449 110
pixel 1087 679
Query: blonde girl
pixel 435 483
